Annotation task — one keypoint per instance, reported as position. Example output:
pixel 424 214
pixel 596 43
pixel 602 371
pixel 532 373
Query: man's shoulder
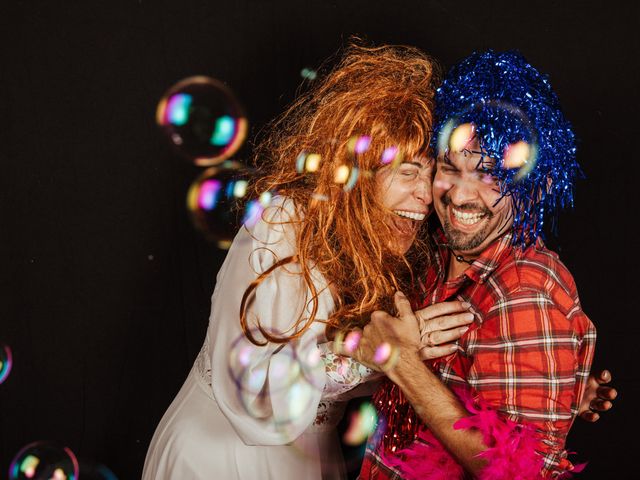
pixel 536 269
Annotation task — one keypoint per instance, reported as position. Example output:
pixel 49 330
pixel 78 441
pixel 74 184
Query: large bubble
pixel 219 202
pixel 44 461
pixel 202 120
pixel 287 376
pixel 500 123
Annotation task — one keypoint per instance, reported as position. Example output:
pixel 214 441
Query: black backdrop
pixel 105 286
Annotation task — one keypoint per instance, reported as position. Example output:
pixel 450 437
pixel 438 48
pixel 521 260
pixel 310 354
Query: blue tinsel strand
pixel 508 100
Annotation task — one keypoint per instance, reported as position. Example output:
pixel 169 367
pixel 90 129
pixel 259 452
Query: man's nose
pixel 462 192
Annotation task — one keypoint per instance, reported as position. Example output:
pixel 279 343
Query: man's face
pixel 468 201
pixel 406 191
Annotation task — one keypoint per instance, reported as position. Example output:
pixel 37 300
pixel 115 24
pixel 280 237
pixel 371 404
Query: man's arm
pixel 439 408
pixel 432 400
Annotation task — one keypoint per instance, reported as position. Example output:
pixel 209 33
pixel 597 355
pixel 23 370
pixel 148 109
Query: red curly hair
pixel 386 93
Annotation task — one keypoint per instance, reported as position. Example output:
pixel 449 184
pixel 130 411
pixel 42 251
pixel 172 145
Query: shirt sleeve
pixel 269 393
pixel 530 361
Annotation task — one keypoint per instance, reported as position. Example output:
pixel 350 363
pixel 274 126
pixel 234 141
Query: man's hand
pixel 384 339
pixel 440 325
pixel 598 396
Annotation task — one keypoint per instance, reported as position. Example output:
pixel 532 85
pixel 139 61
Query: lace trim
pixel 343 373
pixel 330 412
pixel 202 365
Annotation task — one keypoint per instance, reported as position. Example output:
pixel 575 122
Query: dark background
pixel 105 286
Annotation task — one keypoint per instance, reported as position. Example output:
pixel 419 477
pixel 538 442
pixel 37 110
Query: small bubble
pixel 308 74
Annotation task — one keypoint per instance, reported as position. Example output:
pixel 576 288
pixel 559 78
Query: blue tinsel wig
pixel 508 100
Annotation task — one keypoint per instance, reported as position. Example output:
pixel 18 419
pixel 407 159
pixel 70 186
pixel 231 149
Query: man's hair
pixel 385 93
pixel 508 101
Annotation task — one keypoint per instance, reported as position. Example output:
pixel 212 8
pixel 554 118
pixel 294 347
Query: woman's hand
pixel 598 396
pixel 380 343
pixel 440 325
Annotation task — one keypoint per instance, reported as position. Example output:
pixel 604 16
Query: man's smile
pixel 464 218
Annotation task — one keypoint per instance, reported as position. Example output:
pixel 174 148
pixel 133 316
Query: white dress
pixel 248 412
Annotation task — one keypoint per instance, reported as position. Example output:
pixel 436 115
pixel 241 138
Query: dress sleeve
pixel 344 374
pixel 528 363
pixel 269 393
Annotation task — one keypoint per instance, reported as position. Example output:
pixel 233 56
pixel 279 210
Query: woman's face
pixel 406 191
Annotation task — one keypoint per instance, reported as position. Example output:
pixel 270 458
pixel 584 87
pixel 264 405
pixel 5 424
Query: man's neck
pixel 457 268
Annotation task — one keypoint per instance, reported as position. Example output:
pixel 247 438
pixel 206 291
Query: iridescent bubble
pixel 202 119
pixel 391 156
pixel 520 155
pixel 218 201
pixel 308 162
pixel 350 341
pixel 254 209
pixel 308 74
pixel 320 197
pixel 346 176
pixel 44 461
pixel 382 353
pixel 461 137
pixel 359 144
pixel 361 424
pixel 6 362
pixel 289 378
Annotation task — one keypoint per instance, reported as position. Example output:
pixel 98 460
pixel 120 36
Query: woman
pixel 348 163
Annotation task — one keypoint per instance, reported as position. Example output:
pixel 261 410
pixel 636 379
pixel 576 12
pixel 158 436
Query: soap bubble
pixel 288 374
pixel 362 423
pixel 6 362
pixel 44 461
pixel 308 73
pixel 219 202
pixel 202 119
pixel 499 122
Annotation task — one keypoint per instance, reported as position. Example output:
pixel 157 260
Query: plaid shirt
pixel 529 352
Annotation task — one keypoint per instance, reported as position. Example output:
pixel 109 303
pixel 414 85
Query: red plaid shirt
pixel 529 352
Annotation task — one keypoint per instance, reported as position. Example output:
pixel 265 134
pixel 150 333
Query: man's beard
pixel 463 241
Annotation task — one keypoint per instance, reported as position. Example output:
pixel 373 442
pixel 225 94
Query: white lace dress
pixel 247 412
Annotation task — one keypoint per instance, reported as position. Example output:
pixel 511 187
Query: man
pixel 502 405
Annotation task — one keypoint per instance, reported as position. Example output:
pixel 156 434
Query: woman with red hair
pixel 346 229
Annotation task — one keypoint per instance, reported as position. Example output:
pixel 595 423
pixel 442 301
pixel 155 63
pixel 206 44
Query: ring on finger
pixel 429 342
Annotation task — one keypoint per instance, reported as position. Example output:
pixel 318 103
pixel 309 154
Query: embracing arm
pixel 438 407
pixel 432 400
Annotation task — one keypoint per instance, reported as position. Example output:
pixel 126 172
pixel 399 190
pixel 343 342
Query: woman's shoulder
pixel 278 222
pixel 281 209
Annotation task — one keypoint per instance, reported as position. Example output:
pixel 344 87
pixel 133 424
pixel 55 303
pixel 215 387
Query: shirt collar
pixel 485 264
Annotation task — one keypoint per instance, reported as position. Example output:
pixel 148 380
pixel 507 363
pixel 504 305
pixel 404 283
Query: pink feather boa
pixel 511 454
